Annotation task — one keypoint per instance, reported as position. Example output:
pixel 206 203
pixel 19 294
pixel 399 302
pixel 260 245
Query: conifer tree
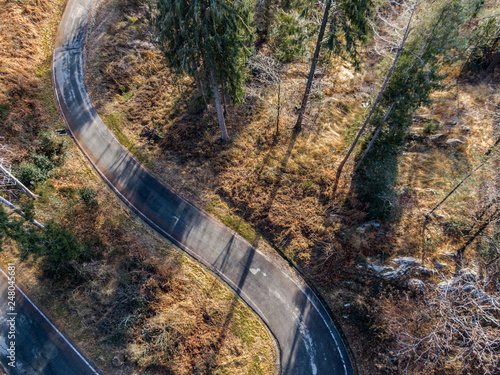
pixel 348 26
pixel 417 73
pixel 209 40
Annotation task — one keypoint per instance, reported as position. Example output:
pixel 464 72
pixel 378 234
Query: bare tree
pixel 267 72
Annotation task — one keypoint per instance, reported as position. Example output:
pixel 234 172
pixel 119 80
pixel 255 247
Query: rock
pixel 416 284
pixel 406 261
pixel 380 269
pixel 438 137
pixel 371 224
pixel 118 360
pixel 439 265
pixel 467 274
pixel 415 137
pixel 454 142
pixel 391 275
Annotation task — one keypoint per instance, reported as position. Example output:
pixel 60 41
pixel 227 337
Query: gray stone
pixel 416 284
pixel 437 137
pixel 391 275
pixel 380 269
pixel 371 224
pixel 454 142
pixel 406 261
pixel 118 360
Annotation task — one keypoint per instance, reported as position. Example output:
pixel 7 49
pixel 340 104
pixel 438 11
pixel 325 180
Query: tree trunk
pixel 279 108
pixel 486 154
pixel 460 252
pixel 224 99
pixel 218 106
pixel 493 64
pixel 379 96
pixel 379 128
pixel 199 86
pixel 298 125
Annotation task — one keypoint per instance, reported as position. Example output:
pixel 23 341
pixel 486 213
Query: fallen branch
pixel 18 211
pixel 18 183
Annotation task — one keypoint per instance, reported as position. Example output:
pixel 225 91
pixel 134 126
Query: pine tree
pixel 209 40
pixel 417 74
pixel 349 25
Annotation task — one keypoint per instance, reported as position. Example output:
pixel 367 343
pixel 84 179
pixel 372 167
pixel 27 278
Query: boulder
pixel 416 284
pixel 406 261
pixel 454 142
pixel 438 137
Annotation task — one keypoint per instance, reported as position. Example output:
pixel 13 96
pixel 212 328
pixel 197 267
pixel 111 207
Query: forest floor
pixel 276 190
pixel 140 306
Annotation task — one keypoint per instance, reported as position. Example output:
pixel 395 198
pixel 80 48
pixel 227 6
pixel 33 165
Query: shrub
pixel 42 162
pixel 290 35
pixel 30 174
pixel 56 246
pixel 53 146
pixel 88 196
pixel 430 127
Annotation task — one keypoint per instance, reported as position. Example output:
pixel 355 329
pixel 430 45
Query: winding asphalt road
pixel 307 340
pixel 30 344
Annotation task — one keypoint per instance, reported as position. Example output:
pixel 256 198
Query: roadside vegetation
pixel 130 301
pixel 399 270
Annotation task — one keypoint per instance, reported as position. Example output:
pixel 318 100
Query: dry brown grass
pixel 26 34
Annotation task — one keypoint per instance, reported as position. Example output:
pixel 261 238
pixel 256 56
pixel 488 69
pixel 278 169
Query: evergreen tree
pixel 209 40
pixel 348 26
pixel 417 74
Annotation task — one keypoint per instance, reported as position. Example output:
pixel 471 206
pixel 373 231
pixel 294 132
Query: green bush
pixel 56 246
pixel 486 41
pixel 290 36
pixel 430 127
pixel 50 153
pixel 53 146
pixel 88 196
pixel 42 162
pixel 30 174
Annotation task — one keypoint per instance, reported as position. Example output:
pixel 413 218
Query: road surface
pixel 307 340
pixel 30 343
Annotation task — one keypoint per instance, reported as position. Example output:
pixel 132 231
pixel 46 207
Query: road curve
pixel 39 347
pixel 307 340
